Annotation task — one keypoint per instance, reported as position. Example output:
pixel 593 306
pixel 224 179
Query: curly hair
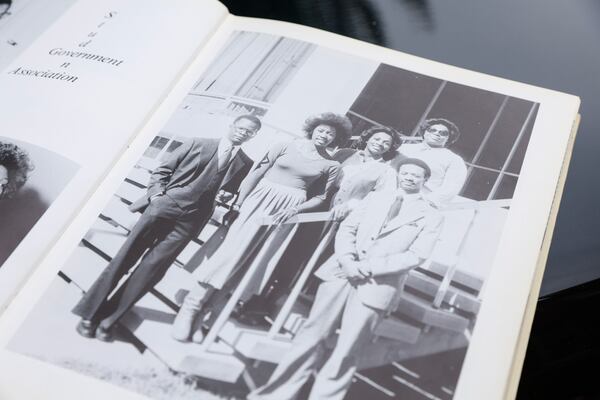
pixel 454 133
pixel 365 135
pixel 17 163
pixel 341 124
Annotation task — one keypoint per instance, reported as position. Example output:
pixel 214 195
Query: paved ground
pixel 49 334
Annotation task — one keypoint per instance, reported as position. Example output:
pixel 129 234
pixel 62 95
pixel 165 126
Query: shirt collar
pixel 411 196
pixel 225 143
pixel 361 154
pixel 425 146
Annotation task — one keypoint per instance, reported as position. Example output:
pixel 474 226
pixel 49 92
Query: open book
pixel 198 205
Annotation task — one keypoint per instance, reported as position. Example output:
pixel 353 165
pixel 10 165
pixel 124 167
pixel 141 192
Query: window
pixel 495 129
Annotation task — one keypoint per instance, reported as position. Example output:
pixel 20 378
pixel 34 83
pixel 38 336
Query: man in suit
pixel 386 236
pixel 179 202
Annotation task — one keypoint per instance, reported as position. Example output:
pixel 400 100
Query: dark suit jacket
pixel 191 163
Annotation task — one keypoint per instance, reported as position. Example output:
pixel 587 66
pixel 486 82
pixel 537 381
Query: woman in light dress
pixel 363 169
pixel 448 169
pixel 277 187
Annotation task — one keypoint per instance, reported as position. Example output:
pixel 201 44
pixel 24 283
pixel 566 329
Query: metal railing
pixel 296 290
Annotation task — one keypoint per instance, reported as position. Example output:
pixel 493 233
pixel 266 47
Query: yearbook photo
pixel 307 225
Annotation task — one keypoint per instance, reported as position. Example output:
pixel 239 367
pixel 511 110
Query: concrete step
pixel 176 283
pixel 139 175
pixel 83 267
pixel 129 192
pixel 421 311
pixel 118 212
pixel 255 343
pixel 454 297
pixel 108 238
pixel 149 164
pixel 397 329
pixel 105 237
pixel 385 351
pixel 152 328
pixel 460 278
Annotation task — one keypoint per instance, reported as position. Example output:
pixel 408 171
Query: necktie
pixel 224 157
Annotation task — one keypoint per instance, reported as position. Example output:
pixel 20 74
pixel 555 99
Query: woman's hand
pixel 281 216
pixel 341 211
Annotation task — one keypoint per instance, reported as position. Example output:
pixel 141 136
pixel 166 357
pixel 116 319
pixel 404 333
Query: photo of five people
pixel 302 230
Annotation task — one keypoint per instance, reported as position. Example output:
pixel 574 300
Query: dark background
pixel 549 43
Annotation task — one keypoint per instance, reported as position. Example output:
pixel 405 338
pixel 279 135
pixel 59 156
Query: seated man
pixel 381 240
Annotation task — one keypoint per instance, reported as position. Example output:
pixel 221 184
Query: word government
pixel 86 56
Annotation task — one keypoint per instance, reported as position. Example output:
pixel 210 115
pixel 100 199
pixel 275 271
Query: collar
pixel 225 143
pixel 424 146
pixel 410 197
pixel 361 155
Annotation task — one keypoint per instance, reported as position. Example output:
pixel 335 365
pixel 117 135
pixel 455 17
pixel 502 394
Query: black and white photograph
pixel 308 224
pixel 31 178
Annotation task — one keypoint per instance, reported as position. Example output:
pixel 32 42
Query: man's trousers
pixel 158 237
pixel 335 301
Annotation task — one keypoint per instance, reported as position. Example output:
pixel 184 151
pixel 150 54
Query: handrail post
pixel 293 296
pixel 240 289
pixel 449 275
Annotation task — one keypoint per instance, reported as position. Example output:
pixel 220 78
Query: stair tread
pixel 219 363
pixel 454 296
pixel 422 311
pixel 463 278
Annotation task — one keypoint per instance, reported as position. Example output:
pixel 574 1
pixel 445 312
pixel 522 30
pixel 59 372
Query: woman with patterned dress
pixel 276 187
pixel 366 169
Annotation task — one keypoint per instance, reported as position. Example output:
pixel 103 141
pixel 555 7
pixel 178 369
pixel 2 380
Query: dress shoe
pixel 254 318
pixel 86 328
pixel 104 334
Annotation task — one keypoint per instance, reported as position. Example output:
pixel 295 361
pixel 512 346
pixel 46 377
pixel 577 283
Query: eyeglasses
pixel 245 131
pixel 439 132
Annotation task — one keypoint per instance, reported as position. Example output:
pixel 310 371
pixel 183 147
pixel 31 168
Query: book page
pixel 23 21
pixel 71 104
pixel 304 216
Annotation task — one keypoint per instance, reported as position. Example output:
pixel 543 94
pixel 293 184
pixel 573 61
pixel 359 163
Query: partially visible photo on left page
pixel 31 178
pixel 307 221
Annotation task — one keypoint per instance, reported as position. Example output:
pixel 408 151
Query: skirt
pixel 246 237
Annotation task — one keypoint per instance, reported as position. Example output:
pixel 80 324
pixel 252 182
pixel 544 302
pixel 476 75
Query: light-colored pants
pixel 335 301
